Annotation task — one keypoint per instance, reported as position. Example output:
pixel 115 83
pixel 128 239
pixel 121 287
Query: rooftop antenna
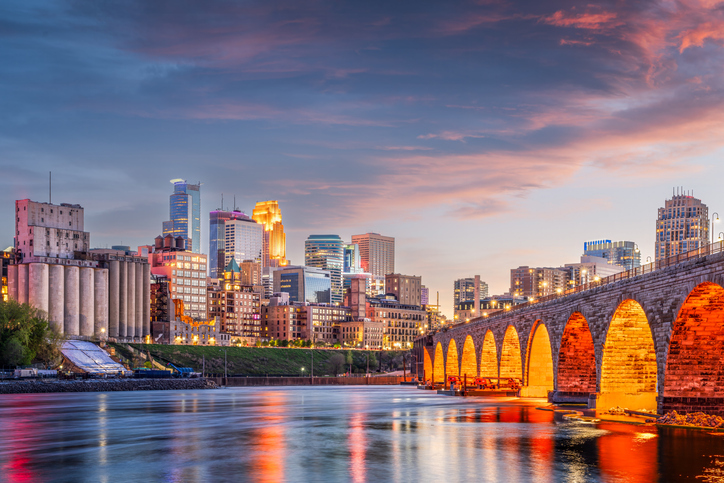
pixel 222 201
pixel 234 203
pixel 50 187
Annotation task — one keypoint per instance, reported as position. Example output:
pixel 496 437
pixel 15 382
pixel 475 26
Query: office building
pixel 537 282
pixel 401 323
pixel 622 253
pixel 185 272
pixel 236 305
pixel 243 240
pixel 6 258
pixel 407 289
pixel 590 269
pixel 361 334
pixel 185 214
pixel 304 284
pixel 352 259
pixel 682 226
pixel 466 311
pixel 424 296
pixel 326 252
pixel 377 253
pixel 464 289
pixel 274 250
pixel 286 320
pixel 217 239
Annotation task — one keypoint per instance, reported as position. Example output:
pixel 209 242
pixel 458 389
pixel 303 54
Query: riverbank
pixel 308 381
pixel 104 385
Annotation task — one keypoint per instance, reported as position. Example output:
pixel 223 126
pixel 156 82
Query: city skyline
pixel 512 134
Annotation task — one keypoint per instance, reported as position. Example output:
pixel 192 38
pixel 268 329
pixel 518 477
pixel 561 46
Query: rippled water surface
pixel 330 434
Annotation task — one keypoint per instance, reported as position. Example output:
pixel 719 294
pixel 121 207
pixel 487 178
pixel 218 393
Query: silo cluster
pixel 88 301
pixel 74 297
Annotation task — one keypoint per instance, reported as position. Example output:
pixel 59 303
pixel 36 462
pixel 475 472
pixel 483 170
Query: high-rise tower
pixel 327 252
pixel 682 226
pixel 217 239
pixel 274 251
pixel 377 253
pixel 185 214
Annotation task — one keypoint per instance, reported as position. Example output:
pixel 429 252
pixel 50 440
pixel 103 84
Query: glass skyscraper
pixel 217 239
pixel 622 253
pixel 327 252
pixel 185 214
pixel 303 284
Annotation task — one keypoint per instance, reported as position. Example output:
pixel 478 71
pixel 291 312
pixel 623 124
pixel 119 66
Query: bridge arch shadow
pixel 469 361
pixel 489 356
pixel 539 364
pixel 628 370
pixel 694 376
pixel 451 361
pixel 510 359
pixel 438 368
pixel 576 375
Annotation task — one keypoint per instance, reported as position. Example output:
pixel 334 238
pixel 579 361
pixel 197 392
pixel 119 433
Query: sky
pixel 482 135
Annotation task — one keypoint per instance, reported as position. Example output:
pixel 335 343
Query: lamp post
pixel 633 256
pixel 368 358
pixel 712 224
pixel 648 259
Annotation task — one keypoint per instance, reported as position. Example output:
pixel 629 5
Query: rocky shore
pixel 103 385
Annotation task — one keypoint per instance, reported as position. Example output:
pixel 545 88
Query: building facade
pixel 236 306
pixel 217 239
pixel 537 282
pixel 622 253
pixel 274 250
pixel 243 240
pixel 47 230
pixel 185 272
pixel 464 289
pixel 407 289
pixel 185 214
pixel 377 253
pixel 682 226
pixel 326 252
pixel 401 323
pixel 304 284
pixel 362 334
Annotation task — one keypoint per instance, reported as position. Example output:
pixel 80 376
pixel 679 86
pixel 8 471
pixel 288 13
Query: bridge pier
pixel 605 401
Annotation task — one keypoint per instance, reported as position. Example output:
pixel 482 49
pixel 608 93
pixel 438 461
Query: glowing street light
pixel 712 224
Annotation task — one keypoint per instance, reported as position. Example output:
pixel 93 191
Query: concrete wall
pixel 71 302
pixel 309 381
pixel 56 310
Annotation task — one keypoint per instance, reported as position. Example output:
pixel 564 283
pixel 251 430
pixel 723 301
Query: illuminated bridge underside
pixel 651 342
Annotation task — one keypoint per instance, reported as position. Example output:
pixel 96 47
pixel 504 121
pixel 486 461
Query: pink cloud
pixel 591 21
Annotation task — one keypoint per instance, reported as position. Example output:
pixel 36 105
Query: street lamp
pixel 712 224
pixel 648 259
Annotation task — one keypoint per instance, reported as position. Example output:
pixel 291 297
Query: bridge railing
pixel 704 251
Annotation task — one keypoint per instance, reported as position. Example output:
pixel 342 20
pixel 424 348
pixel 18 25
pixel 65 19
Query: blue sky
pixel 481 135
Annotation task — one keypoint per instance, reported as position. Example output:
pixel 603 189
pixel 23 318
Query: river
pixel 345 434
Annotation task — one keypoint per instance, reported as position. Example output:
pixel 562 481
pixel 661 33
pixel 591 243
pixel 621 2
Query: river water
pixel 344 434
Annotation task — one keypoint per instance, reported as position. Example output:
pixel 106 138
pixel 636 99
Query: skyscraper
pixel 377 253
pixel 327 253
pixel 185 214
pixel 352 260
pixel 217 239
pixel 243 240
pixel 464 290
pixel 622 253
pixel 274 251
pixel 682 226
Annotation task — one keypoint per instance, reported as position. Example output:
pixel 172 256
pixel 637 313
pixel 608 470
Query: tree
pixel 26 337
pixel 336 363
pixel 349 360
pixel 373 360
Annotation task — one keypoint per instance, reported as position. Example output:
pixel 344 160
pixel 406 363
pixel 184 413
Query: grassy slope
pixel 263 360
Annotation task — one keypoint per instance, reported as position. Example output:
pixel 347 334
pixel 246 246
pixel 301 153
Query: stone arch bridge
pixel 649 338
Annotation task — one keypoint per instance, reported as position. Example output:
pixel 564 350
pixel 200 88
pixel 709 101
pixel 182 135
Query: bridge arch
pixel 438 368
pixel 489 356
pixel 427 365
pixel 451 360
pixel 539 366
pixel 628 369
pixel 510 356
pixel 576 358
pixel 469 361
pixel 694 366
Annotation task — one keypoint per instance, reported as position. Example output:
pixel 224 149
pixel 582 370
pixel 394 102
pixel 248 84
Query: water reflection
pixel 330 434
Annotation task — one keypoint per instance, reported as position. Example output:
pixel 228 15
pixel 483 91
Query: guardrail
pixel 704 251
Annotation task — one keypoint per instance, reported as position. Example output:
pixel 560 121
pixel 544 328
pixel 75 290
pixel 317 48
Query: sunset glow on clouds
pixel 478 119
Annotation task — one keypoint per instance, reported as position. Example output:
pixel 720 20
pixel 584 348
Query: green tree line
pixel 26 337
